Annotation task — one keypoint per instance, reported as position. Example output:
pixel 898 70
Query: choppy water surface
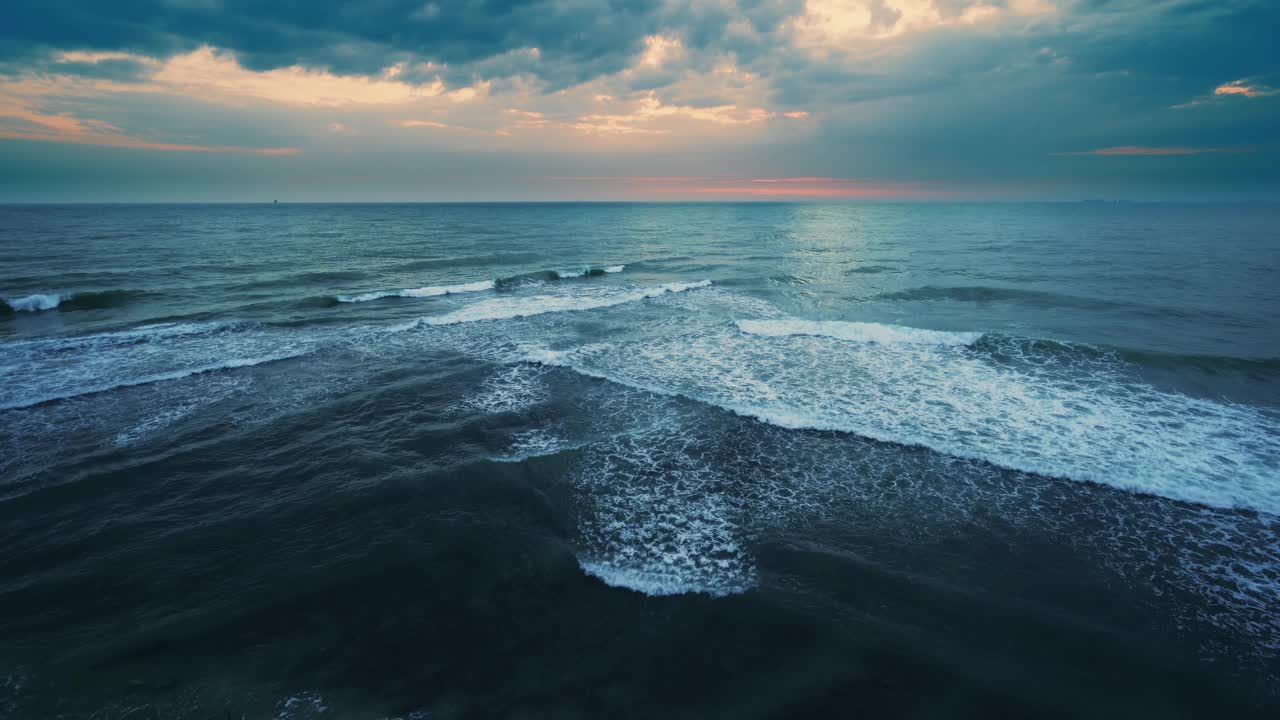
pixel 658 460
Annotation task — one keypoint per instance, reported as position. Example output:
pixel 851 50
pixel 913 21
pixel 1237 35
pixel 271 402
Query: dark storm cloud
pixel 1196 42
pixel 576 39
pixel 118 69
pixel 1154 54
pixel 957 104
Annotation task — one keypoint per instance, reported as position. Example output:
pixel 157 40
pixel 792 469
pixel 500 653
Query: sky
pixel 460 100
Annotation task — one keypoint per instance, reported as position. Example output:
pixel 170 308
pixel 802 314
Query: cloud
pixel 421 123
pixel 575 40
pixel 19 122
pixel 833 24
pixel 206 71
pixel 1245 88
pixel 446 126
pixel 640 118
pixel 1233 91
pixel 910 95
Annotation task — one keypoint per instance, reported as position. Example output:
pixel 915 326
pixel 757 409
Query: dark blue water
pixel 741 460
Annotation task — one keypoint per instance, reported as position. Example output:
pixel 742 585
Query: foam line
pixel 508 308
pixel 857 332
pixel 429 291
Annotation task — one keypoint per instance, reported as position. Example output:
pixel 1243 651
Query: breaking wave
pixel 503 283
pixel 429 291
pixel 505 308
pixel 1005 401
pixel 588 272
pixel 230 364
pixel 544 276
pixel 70 301
pixel 59 368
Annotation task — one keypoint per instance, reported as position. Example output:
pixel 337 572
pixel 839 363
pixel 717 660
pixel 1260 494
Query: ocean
pixel 640 460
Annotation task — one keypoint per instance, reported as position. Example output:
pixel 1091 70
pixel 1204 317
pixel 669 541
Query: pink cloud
pixel 802 180
pixel 423 123
pixel 632 179
pixel 446 126
pixel 1245 89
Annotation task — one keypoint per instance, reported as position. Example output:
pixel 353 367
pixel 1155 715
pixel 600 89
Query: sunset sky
pixel 391 100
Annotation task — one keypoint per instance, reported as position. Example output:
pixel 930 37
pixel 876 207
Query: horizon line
pixel 744 201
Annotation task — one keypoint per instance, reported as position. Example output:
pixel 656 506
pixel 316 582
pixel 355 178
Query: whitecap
pixel 857 332
pixel 1052 414
pixel 429 291
pixel 35 303
pixel 302 705
pixel 506 308
pixel 567 274
pixel 82 390
pixel 655 583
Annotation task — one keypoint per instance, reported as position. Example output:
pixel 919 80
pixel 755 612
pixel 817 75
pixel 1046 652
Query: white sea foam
pixel 655 583
pixel 506 308
pixel 429 291
pixel 652 520
pixel 673 499
pixel 166 417
pixel 35 303
pixel 1056 416
pixel 168 329
pixel 615 268
pixel 515 388
pixel 857 332
pixel 544 356
pixel 303 705
pixel 566 274
pixel 679 287
pixel 37 348
pixel 230 364
pixel 403 326
pixel 158 412
pixel 535 442
pixel 60 368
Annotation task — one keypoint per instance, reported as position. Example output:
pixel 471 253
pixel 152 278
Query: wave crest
pixel 502 283
pixel 1025 405
pixel 543 276
pixel 506 308
pixel 41 302
pixel 428 291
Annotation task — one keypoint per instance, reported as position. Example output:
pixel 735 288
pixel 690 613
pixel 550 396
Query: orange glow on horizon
pixel 815 191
